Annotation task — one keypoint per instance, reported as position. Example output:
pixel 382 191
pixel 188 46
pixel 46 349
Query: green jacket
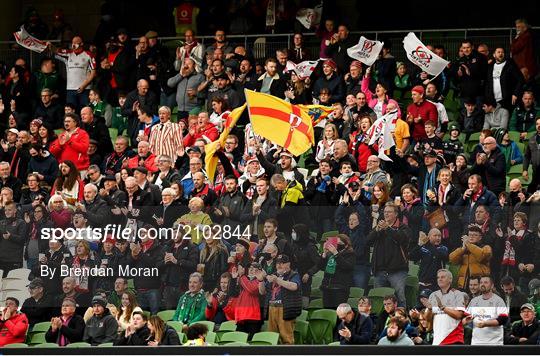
pixel 191 308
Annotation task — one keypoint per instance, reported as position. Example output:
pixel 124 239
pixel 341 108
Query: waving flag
pixel 310 17
pixel 366 51
pixel 381 133
pixel 303 69
pixel 420 55
pixel 28 41
pixel 210 149
pixel 317 112
pixel 281 122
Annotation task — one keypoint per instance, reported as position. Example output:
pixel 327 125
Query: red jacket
pixel 14 329
pixel 149 162
pixel 361 151
pixel 74 150
pixel 211 310
pixel 247 305
pixel 522 49
pixel 210 132
pixel 427 112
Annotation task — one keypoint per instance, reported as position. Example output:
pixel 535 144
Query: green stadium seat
pixel 474 139
pixel 147 313
pixel 176 325
pixel 225 327
pixel 353 302
pixel 166 315
pixel 40 327
pixel 301 330
pixel 376 296
pixel 106 344
pixel 315 304
pixel 356 292
pixel 521 146
pixel 210 337
pixel 413 269
pixel 47 345
pixel 79 344
pixel 462 137
pixel 113 133
pixel 514 136
pixel 335 343
pixel 209 324
pixel 37 338
pixel 303 315
pixel 264 326
pixel 237 343
pixel 411 289
pixel 515 171
pixel 454 269
pixel 182 337
pixel 316 293
pixel 530 134
pixel 328 234
pixel 265 338
pixel 233 336
pixel 16 345
pixel 321 326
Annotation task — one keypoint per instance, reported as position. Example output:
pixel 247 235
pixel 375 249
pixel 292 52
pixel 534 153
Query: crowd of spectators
pixel 247 245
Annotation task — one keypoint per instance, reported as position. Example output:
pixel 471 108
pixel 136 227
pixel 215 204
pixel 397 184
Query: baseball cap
pixel 142 170
pixel 194 149
pixel 35 283
pixel 527 306
pixel 151 34
pixel 283 259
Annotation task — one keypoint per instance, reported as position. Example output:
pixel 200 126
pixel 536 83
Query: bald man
pixel 202 190
pixel 97 130
pixel 491 166
pixel 96 209
pixel 140 97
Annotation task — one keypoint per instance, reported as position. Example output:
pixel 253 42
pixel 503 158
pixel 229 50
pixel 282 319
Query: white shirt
pixel 447 330
pixel 77 67
pixel 497 70
pixel 378 109
pixel 486 309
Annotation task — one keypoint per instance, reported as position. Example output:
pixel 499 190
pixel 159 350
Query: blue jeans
pixel 80 100
pixel 149 300
pixel 395 280
pixel 361 276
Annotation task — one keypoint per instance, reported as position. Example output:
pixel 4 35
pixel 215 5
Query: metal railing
pixel 265 45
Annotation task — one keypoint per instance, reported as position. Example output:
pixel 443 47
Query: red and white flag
pixel 420 55
pixel 303 69
pixel 381 133
pixel 366 51
pixel 28 41
pixel 310 17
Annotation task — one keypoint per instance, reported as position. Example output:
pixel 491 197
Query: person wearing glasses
pixel 39 306
pixel 355 328
pixel 72 144
pixel 68 327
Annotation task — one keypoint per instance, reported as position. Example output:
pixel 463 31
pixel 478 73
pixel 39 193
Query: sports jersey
pixel 447 330
pixel 77 67
pixel 486 309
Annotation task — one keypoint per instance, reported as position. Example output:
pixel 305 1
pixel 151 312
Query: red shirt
pixel 427 112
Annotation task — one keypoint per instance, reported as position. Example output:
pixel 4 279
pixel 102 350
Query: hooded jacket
pixel 474 261
pixel 45 165
pixel 74 150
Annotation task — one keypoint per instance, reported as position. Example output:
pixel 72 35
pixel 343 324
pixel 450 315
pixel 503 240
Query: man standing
pixel 522 50
pixel 489 313
pixel 186 83
pixel 447 307
pixel 81 70
pixel 140 97
pixel 532 157
pixel 491 166
pixel 390 240
pixel 72 144
pixel 339 43
pixel 165 137
pixel 283 299
pixel 49 111
pixel 12 239
pixel 271 82
pixel 504 80
pixel 420 112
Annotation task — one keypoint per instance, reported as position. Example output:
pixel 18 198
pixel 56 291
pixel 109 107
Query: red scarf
pixel 477 195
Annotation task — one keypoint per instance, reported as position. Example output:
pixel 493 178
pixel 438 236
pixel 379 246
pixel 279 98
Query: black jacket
pixel 171 213
pixel 40 310
pixel 53 115
pixel 138 338
pixel 153 257
pixel 11 249
pixel 358 235
pixel 101 329
pixel 432 258
pixel 97 130
pixel 15 184
pixel 177 275
pixel 343 276
pixel 97 212
pixel 338 51
pixel 511 82
pixel 390 249
pixel 322 202
pixel 277 88
pixel 470 85
pixel 493 172
pixel 361 328
pixel 170 337
pixel 214 266
pixel 73 332
pixel 335 86
pixel 519 330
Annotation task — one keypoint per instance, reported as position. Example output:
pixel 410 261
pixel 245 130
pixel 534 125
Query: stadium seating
pixel 209 324
pixel 166 315
pixel 176 325
pixel 16 345
pixel 50 345
pixel 182 337
pixel 321 326
pixel 225 327
pixel 37 338
pixel 303 315
pixel 79 344
pixel 301 331
pixel 356 292
pixel 106 344
pixel 233 336
pixel 41 327
pixel 211 337
pixel 265 338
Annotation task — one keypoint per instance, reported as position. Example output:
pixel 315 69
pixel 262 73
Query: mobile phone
pixel 331 241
